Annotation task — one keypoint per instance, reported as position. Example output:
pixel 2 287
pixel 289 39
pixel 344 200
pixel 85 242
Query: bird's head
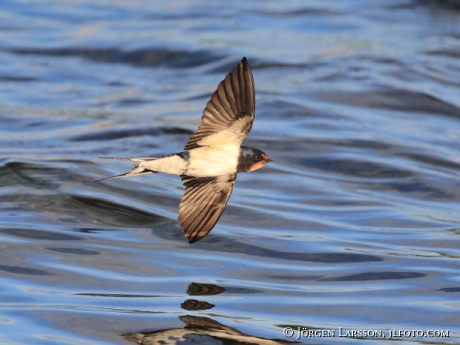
pixel 251 159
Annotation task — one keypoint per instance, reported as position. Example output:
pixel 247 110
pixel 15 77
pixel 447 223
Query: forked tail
pixel 136 171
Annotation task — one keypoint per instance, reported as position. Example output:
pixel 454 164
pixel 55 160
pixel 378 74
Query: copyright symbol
pixel 288 332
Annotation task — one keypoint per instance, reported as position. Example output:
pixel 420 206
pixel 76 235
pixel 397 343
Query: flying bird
pixel 213 154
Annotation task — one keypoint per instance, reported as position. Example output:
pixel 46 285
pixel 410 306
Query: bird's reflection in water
pixel 197 289
pixel 199 329
pixel 193 304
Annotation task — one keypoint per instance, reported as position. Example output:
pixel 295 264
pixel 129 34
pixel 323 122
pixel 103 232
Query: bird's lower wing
pixel 203 203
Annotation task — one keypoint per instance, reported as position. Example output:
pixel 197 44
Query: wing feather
pixel 202 205
pixel 230 95
pixel 229 114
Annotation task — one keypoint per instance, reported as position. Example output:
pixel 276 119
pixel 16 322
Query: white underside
pixel 169 165
pixel 213 161
pixel 203 162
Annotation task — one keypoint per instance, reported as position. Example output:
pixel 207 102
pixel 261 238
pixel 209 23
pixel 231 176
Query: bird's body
pixel 213 155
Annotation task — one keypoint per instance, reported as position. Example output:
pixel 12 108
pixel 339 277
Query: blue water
pixel 356 226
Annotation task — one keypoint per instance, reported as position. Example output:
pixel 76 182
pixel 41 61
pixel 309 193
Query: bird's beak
pixel 269 160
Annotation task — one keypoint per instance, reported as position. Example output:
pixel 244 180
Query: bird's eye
pixel 258 157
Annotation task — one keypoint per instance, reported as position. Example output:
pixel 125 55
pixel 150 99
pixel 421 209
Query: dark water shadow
pixel 144 57
pixel 448 4
pixel 74 251
pixel 14 173
pixel 221 244
pixel 396 100
pixel 117 213
pixel 24 270
pixel 34 234
pixel 354 168
pixel 112 134
pixel 17 79
pixel 116 295
pixel 375 276
pixel 450 289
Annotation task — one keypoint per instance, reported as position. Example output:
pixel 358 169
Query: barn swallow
pixel 213 154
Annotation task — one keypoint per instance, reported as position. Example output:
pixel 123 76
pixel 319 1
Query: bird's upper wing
pixel 228 116
pixel 203 203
